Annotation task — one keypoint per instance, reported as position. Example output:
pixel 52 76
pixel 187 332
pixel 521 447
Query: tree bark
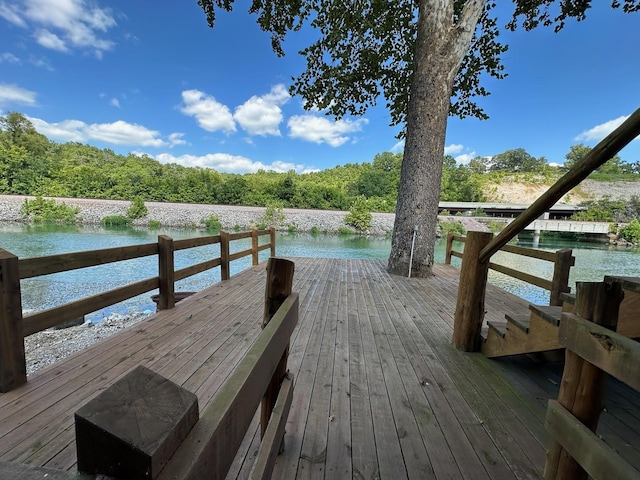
pixel 440 48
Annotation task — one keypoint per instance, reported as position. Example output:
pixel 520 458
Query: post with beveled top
pixel 447 256
pixel 224 255
pixel 166 273
pixel 469 314
pixel 279 285
pixel 583 384
pixel 561 269
pixel 13 365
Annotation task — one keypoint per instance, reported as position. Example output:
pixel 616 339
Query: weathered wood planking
pixel 379 389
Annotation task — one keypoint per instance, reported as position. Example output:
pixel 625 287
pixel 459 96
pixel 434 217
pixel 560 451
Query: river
pixel 593 261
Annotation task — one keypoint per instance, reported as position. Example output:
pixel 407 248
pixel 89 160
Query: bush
pixel 273 215
pixel 315 230
pixel 292 228
pixel 359 216
pixel 451 227
pixel 631 233
pixel 154 224
pixel 345 231
pixel 137 209
pixel 115 221
pixel 48 211
pixel 212 223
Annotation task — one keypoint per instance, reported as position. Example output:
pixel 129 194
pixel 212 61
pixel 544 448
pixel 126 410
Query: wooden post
pixel 447 257
pixel 561 268
pixel 166 273
pixel 13 365
pixel 254 246
pixel 272 240
pixel 469 313
pixel 225 272
pixel 583 384
pixel 279 285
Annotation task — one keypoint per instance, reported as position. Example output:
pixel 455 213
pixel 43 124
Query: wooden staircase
pixel 537 330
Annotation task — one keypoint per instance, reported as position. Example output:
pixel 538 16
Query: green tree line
pixel 31 164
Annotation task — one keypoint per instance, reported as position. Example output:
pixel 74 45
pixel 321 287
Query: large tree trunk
pixel 440 48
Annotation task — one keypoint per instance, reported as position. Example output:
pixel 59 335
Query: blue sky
pixel 152 78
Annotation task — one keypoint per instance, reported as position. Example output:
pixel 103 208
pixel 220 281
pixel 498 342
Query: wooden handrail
pixel 13 269
pixel 563 261
pixel 604 151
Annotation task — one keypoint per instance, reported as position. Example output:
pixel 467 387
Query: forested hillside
pixel 31 164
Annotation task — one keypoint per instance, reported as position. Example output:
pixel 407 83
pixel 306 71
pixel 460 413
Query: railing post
pixel 272 240
pixel 13 365
pixel 279 285
pixel 224 255
pixel 166 273
pixel 561 269
pixel 583 384
pixel 469 313
pixel 254 245
pixel 447 256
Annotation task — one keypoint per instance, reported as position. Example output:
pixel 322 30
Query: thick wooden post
pixel 225 272
pixel 469 314
pixel 279 285
pixel 272 240
pixel 447 256
pixel 254 246
pixel 13 366
pixel 583 384
pixel 166 273
pixel 561 269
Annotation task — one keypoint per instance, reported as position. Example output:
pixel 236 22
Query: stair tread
pixel 568 298
pixel 550 313
pixel 520 320
pixel 499 326
pixel 628 283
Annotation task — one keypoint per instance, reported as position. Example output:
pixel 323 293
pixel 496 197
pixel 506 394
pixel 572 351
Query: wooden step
pixel 521 321
pixel 549 313
pixel 500 327
pixel 569 298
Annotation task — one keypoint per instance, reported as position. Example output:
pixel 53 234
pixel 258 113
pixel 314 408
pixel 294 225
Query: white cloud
pixel 12 94
pixel 210 114
pixel 465 158
pixel 63 25
pixel 176 139
pixel 398 147
pixel 225 162
pixel 453 149
pixel 9 58
pixel 115 102
pixel 262 115
pixel 598 132
pixel 322 130
pixel 116 133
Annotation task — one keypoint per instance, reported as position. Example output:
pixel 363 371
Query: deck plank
pixel 379 392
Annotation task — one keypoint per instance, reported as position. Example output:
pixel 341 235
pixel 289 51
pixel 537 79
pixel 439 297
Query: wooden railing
pixel 593 350
pixel 562 261
pixel 14 327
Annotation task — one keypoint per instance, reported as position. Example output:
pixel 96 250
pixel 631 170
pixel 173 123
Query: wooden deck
pixel 379 390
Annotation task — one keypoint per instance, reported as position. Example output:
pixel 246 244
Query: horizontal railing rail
pixel 562 259
pixel 12 270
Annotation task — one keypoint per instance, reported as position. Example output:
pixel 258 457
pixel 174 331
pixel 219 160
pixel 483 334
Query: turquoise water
pixel 593 261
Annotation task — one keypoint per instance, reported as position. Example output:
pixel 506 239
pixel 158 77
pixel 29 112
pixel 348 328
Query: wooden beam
pixel 612 352
pixel 13 367
pixel 254 246
pixel 273 436
pixel 562 264
pixel 225 272
pixel 598 459
pixel 605 150
pixel 209 449
pixel 525 277
pixel 469 313
pixel 583 384
pixel 447 255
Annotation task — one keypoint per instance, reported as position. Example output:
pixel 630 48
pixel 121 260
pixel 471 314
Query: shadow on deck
pixel 380 391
